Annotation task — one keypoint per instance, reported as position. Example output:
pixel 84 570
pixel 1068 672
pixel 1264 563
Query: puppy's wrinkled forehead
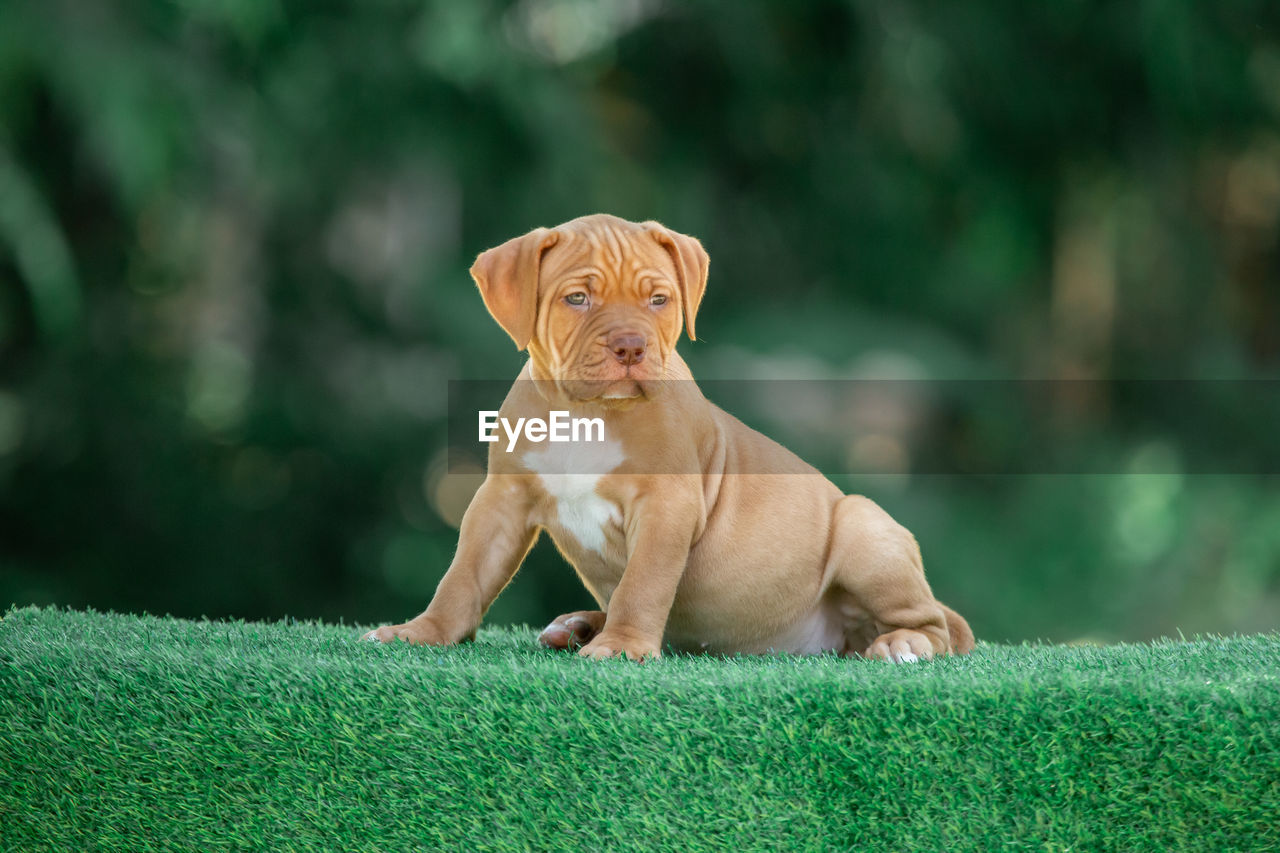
pixel 616 251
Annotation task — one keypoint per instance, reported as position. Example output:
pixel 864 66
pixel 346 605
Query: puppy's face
pixel 599 302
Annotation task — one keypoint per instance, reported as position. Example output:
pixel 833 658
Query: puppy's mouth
pixel 610 390
pixel 624 389
pixel 625 373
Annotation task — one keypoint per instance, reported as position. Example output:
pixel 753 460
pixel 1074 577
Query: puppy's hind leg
pixel 876 562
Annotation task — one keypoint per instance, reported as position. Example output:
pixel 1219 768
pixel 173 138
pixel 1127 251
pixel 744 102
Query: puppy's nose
pixel 627 347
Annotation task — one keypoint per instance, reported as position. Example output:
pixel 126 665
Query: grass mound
pixel 140 733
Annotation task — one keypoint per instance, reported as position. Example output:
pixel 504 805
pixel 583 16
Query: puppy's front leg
pixel 493 540
pixel 658 545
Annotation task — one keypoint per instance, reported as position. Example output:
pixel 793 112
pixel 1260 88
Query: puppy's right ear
pixel 507 276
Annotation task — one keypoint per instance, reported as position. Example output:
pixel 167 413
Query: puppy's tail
pixel 959 630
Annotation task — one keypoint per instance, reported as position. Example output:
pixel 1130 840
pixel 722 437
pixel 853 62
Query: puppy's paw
pixel 418 632
pixel 572 630
pixel 609 644
pixel 900 646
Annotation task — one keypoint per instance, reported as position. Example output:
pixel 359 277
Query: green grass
pixel 140 733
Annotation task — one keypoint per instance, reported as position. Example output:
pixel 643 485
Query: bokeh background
pixel 234 241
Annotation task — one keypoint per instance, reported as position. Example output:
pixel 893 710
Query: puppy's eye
pixel 576 298
pixel 658 299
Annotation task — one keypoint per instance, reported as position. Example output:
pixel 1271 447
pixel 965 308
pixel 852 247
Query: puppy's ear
pixel 507 276
pixel 691 262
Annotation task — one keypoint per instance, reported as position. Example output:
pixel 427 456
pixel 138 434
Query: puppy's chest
pixel 585 524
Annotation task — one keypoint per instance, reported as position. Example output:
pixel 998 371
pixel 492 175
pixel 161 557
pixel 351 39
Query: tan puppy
pixel 688 527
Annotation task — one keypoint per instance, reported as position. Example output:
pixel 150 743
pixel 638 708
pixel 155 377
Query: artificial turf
pixel 142 733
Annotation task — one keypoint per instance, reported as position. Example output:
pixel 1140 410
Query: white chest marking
pixel 570 472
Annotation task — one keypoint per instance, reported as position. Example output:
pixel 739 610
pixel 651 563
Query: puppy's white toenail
pixel 907 657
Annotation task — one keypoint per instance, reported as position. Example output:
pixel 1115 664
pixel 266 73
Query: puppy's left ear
pixel 691 262
pixel 507 276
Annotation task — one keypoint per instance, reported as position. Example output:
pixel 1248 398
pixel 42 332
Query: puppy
pixel 690 529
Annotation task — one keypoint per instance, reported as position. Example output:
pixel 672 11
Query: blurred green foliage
pixel 234 238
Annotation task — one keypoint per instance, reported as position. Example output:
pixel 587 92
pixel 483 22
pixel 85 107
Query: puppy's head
pixel 599 302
